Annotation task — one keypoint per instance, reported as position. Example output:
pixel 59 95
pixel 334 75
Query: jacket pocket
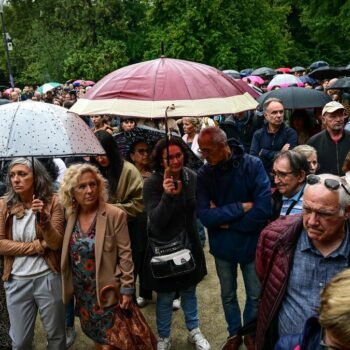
pixel 109 243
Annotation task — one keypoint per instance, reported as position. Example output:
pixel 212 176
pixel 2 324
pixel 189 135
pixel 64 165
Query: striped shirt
pixel 296 202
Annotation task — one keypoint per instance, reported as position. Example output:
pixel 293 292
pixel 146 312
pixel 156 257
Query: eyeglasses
pixel 142 151
pixel 206 150
pixel 172 157
pixel 281 174
pixel 331 184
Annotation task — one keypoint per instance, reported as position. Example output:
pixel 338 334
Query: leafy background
pixel 86 39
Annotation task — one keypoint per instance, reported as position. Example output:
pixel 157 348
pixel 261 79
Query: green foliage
pixel 95 62
pixel 86 39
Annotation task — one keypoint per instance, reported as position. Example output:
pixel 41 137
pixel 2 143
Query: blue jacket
pixel 308 340
pixel 266 145
pixel 229 184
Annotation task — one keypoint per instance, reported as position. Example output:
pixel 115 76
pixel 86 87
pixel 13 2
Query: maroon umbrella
pixel 147 89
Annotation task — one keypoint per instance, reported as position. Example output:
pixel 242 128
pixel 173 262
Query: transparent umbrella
pixel 37 129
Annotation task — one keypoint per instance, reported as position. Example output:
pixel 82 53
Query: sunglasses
pixel 331 184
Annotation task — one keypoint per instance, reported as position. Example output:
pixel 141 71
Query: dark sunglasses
pixel 331 184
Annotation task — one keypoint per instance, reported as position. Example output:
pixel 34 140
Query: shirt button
pixel 321 284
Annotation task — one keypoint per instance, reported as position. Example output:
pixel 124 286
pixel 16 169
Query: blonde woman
pixel 96 244
pixel 192 127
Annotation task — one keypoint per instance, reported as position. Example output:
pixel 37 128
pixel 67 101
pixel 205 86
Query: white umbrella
pixel 284 80
pixel 37 129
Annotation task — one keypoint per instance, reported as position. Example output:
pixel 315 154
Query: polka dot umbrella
pixel 37 129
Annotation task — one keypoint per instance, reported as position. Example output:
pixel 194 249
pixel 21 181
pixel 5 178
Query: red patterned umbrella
pixel 147 89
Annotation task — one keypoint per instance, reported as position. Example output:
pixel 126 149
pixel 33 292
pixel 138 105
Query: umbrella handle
pixel 167 133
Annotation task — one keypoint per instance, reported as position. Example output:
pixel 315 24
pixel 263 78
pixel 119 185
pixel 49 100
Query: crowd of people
pixel 272 195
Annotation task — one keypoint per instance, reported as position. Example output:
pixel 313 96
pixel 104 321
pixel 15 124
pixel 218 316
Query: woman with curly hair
pixel 95 254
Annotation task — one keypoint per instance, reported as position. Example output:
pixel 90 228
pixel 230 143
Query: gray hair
pixel 215 134
pixel 344 198
pixel 42 182
pixel 269 101
pixel 306 150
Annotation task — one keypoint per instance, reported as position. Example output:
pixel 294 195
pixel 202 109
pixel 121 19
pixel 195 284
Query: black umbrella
pixel 150 136
pixel 297 98
pixel 318 64
pixel 264 72
pixel 245 72
pixel 343 83
pixel 327 72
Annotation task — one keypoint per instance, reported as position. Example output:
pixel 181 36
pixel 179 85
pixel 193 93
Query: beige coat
pixel 113 261
pixel 129 191
pixel 51 231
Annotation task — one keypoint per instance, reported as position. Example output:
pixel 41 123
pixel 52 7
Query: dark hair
pixel 297 161
pixel 157 153
pixel 51 167
pixel 113 171
pixel 303 114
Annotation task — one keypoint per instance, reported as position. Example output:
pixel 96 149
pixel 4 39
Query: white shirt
pixel 23 230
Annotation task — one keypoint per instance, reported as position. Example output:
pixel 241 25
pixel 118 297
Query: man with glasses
pixel 333 143
pixel 297 256
pixel 274 136
pixel 234 203
pixel 289 173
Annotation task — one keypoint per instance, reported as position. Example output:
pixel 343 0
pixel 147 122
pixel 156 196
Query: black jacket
pixel 168 216
pixel 330 155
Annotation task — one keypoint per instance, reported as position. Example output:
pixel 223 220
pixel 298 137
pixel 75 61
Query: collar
pixel 18 210
pixel 296 197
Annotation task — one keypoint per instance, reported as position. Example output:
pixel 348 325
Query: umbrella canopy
pixel 327 72
pixel 36 129
pixel 298 69
pixel 43 89
pixel 252 90
pixel 307 79
pixel 264 72
pixel 147 89
pixel 297 98
pixel 284 80
pixel 232 73
pixel 126 139
pixel 318 64
pixel 343 83
pixel 283 70
pixel 254 79
pixel 245 72
pixel 150 136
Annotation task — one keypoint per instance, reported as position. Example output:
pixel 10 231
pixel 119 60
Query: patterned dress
pixel 94 320
pixel 5 340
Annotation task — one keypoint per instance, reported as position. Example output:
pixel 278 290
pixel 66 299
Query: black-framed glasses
pixel 331 184
pixel 281 174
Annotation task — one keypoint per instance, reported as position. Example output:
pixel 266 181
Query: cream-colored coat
pixel 113 262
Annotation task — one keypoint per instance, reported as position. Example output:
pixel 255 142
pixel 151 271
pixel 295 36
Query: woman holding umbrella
pixel 31 250
pixel 169 197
